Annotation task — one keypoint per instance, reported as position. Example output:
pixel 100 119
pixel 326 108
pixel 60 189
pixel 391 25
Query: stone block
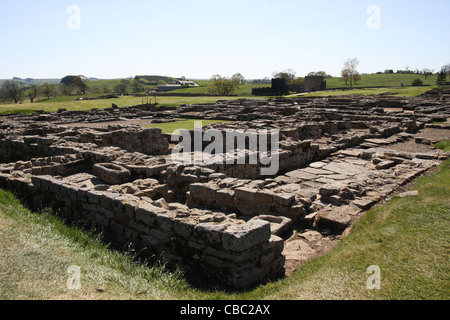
pixel 385 165
pixel 146 213
pixel 210 232
pixel 184 227
pixel 241 237
pixel 284 199
pixel 245 194
pixel 165 221
pixel 335 220
pixel 111 173
pixel 329 189
pixel 364 204
pixel 272 250
pixel 265 197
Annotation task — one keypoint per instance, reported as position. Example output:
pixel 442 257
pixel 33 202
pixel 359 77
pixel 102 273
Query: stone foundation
pixel 226 222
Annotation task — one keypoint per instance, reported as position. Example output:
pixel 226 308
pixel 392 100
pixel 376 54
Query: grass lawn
pixel 407 239
pixel 187 124
pixel 368 80
pixel 242 90
pixel 390 80
pixel 399 92
pixel 53 104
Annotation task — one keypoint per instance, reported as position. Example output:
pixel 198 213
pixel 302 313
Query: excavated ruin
pixel 226 221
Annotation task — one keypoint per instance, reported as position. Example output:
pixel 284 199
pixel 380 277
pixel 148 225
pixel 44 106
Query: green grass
pixel 187 124
pixel 444 145
pixel 244 90
pixel 407 238
pixel 368 80
pixel 399 92
pixel 68 102
pixel 37 249
pixel 53 104
pixel 389 80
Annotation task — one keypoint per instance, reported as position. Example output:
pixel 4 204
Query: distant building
pixel 168 87
pixel 315 83
pixel 180 84
pixel 280 87
pixel 187 83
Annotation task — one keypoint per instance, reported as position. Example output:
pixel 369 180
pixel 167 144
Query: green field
pixel 242 90
pixel 186 124
pixel 393 82
pixel 383 80
pixel 53 104
pixel 399 91
pixel 368 80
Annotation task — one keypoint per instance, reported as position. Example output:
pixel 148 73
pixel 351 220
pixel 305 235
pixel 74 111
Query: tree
pixel 349 73
pixel 222 85
pixel 136 86
pixel 288 75
pixel 32 93
pixel 345 75
pixel 48 89
pixel 68 80
pixel 446 69
pixel 80 85
pixel 239 78
pixel 318 73
pixel 356 77
pixel 417 82
pixel 298 81
pixel 427 72
pixel 442 78
pixel 106 89
pixel 121 87
pixel 65 90
pixel 12 90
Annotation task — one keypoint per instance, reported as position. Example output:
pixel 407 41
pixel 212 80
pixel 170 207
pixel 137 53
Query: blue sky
pixel 197 38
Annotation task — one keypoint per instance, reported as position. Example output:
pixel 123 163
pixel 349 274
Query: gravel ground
pixel 435 135
pixel 139 122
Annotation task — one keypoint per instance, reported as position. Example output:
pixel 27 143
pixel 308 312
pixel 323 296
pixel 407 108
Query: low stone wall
pixel 148 141
pixel 25 148
pixel 246 200
pixel 222 248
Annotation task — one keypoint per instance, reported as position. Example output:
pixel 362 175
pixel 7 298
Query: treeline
pixel 155 80
pixel 16 91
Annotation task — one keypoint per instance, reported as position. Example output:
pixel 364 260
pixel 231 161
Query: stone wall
pixel 225 249
pixel 148 141
pixel 246 200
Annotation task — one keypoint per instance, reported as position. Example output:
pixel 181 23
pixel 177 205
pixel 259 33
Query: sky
pixel 197 38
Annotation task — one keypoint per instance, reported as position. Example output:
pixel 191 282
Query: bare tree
pixel 12 90
pixel 427 72
pixel 239 78
pixel 446 69
pixel 350 73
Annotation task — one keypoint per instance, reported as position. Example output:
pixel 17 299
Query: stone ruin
pixel 338 157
